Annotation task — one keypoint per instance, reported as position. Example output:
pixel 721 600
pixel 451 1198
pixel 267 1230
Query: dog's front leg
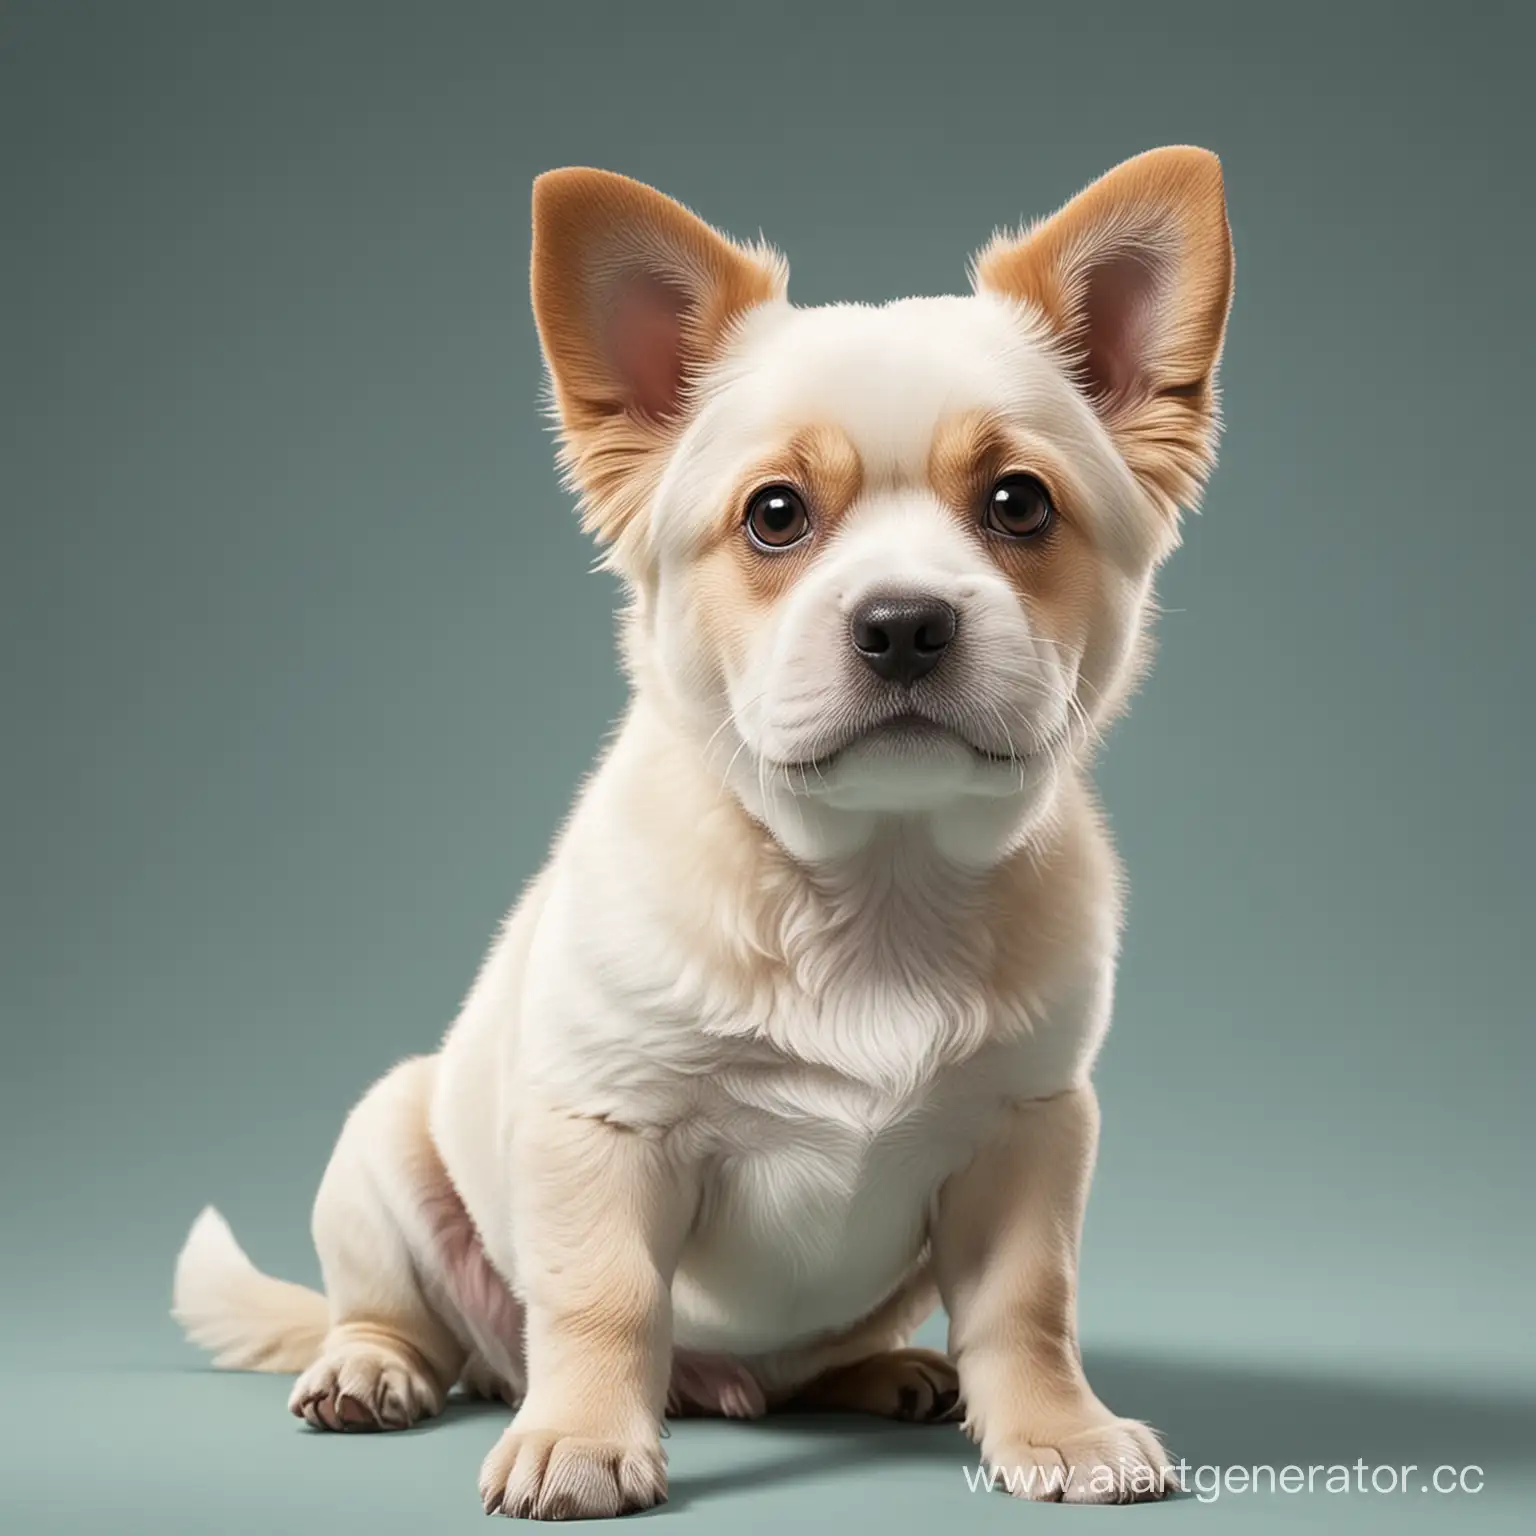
pixel 599 1215
pixel 1005 1246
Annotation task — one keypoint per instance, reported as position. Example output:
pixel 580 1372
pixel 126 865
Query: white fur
pixel 800 1015
pixel 832 1106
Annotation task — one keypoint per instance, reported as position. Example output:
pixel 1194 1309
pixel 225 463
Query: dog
pixel 791 1040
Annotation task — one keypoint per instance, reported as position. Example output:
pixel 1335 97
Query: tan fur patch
pixel 1165 213
pixel 1057 575
pixel 594 233
pixel 733 580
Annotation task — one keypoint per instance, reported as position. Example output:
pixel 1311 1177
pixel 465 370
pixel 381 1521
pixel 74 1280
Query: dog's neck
pixel 879 854
pixel 882 959
pixel 908 875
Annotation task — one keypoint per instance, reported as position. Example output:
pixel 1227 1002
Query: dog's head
pixel 892 560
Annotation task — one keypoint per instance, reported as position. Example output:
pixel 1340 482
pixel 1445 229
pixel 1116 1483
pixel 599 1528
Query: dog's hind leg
pixel 872 1368
pixel 391 1352
pixel 918 1385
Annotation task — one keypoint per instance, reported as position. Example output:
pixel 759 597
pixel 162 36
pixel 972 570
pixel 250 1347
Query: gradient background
pixel 300 659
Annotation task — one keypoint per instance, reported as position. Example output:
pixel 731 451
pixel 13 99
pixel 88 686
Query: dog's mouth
pixel 914 737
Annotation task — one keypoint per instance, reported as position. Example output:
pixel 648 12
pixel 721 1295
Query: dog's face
pixel 896 560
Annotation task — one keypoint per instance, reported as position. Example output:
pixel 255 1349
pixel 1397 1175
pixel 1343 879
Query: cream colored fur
pixel 792 1037
pixel 249 1321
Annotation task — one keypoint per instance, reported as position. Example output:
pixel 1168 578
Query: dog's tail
pixel 249 1321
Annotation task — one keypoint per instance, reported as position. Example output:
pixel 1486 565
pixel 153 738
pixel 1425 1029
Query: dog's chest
pixel 817 1200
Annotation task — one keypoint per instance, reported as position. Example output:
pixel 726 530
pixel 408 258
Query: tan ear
pixel 634 296
pixel 1134 277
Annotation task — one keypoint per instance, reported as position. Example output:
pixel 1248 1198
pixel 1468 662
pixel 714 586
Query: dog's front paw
pixel 1105 1461
pixel 539 1474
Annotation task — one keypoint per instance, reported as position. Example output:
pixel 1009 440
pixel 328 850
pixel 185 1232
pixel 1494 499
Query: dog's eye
pixel 776 517
pixel 1019 507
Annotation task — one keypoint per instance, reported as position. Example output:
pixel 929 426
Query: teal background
pixel 279 516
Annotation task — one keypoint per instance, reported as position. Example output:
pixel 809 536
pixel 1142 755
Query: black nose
pixel 902 638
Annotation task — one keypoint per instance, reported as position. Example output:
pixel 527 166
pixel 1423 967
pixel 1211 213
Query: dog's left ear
pixel 634 297
pixel 1134 279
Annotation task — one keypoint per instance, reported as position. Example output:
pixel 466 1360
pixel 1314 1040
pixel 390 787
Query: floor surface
pixel 170 1450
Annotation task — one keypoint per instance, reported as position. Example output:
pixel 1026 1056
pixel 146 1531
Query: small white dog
pixel 791 1039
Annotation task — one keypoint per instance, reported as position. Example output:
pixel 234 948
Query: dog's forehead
pixel 887 379
pixel 886 375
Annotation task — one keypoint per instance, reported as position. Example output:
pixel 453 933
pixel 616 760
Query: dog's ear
pixel 1134 279
pixel 634 296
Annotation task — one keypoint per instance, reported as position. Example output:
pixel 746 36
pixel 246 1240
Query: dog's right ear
pixel 634 297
